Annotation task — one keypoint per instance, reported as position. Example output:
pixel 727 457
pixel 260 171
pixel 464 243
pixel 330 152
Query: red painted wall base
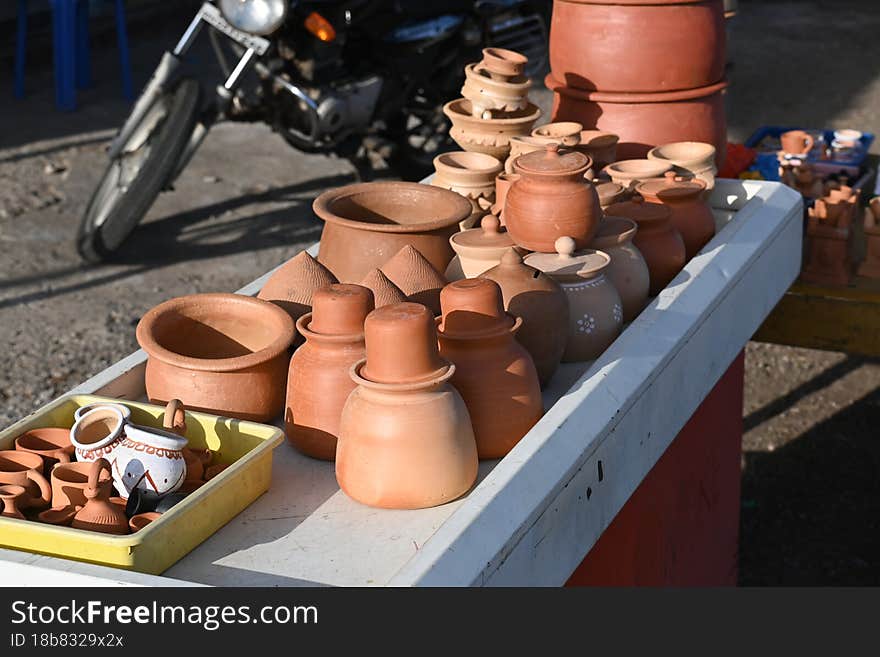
pixel 681 525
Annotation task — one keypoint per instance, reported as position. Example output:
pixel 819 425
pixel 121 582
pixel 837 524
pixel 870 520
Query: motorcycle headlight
pixel 254 16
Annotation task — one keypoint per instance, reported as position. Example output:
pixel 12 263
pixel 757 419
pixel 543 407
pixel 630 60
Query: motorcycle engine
pixel 347 107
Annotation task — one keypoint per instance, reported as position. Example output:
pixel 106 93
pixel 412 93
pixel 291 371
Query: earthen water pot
pixel 405 440
pixel 52 444
pixel 319 378
pixel 541 304
pixel 150 460
pixel 478 249
pixel 629 173
pixel 491 96
pixel 69 482
pixel 657 239
pixel 416 277
pixel 292 285
pixel 691 215
pixel 470 174
pixel 13 499
pixel 796 142
pixel 551 200
pixel 366 224
pixel 493 372
pixel 599 146
pixel 595 308
pixel 98 432
pixel 100 514
pixel 564 133
pixel 503 182
pixel 25 469
pixel 491 136
pixel 224 354
pixel 628 270
pixel 384 291
pixel 692 158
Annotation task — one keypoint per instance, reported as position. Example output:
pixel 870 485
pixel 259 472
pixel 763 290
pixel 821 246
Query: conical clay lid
pixel 416 278
pixel 567 264
pixel 384 291
pixel 292 286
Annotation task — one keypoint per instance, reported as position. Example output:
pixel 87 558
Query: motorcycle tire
pixel 103 229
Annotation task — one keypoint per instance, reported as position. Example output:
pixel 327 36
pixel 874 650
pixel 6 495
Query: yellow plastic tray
pixel 247 446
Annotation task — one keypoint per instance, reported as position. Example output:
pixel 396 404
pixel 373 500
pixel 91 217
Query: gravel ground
pixel 810 457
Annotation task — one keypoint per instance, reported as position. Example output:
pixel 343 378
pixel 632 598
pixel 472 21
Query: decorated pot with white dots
pixel 595 307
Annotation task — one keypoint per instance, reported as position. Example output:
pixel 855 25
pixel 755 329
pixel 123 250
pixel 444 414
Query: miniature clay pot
pixel 551 200
pixel 405 440
pixel 69 482
pixel 384 291
pixel 141 520
pixel 610 193
pixel 415 277
pixel 641 46
pixel 599 146
pixel 870 266
pixel 151 460
pixel 50 443
pixel 503 183
pixel 691 216
pixel 645 120
pixel 61 516
pixel 627 271
pixel 564 133
pixel 504 63
pixel 692 158
pixel 224 354
pixel 490 136
pixel 470 174
pixel 796 142
pixel 13 498
pixel 97 433
pixel 660 244
pixel 122 408
pixel 494 373
pixel 100 514
pixel 292 285
pixel 319 378
pixel 479 249
pixel 629 173
pixel 541 304
pixel 25 469
pixel 595 308
pixel 491 96
pixel 368 223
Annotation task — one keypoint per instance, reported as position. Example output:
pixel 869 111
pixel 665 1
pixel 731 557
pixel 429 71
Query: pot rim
pixel 707 159
pixel 493 168
pixel 82 410
pixel 601 242
pixel 12 455
pixel 532 115
pixel 635 97
pixel 441 376
pixel 322 203
pixel 494 332
pixel 264 309
pixel 114 435
pixel 157 437
pixel 303 329
pixel 37 432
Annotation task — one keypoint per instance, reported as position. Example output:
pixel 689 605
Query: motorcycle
pixel 363 79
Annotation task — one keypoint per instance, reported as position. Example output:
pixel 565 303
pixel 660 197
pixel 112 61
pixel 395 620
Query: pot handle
pixel 62 456
pixel 95 475
pixel 175 417
pixel 43 483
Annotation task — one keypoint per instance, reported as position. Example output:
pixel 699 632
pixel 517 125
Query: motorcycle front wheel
pixel 145 165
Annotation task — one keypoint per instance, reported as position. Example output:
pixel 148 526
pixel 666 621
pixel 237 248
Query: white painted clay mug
pixel 97 433
pixel 150 460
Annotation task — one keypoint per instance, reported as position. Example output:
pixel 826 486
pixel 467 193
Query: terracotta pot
pixel 691 215
pixel 405 440
pixel 827 253
pixel 692 158
pixel 141 520
pixel 13 499
pixel 629 173
pixel 51 444
pixel 647 120
pixel 367 223
pixel 384 291
pixel 319 379
pixel 522 146
pixel 595 308
pixel 644 46
pixel 657 239
pixel 610 193
pixel 25 469
pixel 541 304
pixel 69 482
pixel 552 199
pixel 478 249
pixel 150 460
pixel 61 516
pixel 564 133
pixel 416 277
pixel 503 183
pixel 490 136
pixel 493 372
pixel 870 266
pixel 122 408
pixel 628 271
pixel 98 432
pixel 100 514
pixel 224 354
pixel 504 63
pixel 470 174
pixel 796 142
pixel 292 285
pixel 599 146
pixel 491 96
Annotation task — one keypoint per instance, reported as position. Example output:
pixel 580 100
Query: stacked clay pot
pixel 690 214
pixel 493 372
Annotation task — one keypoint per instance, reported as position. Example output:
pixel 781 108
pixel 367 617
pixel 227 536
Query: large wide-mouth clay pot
pixel 224 354
pixel 490 136
pixel 637 45
pixel 366 224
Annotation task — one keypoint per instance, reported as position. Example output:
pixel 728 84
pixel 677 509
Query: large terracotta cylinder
pixel 637 45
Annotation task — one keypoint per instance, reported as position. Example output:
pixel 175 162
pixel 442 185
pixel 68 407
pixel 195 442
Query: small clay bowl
pixel 141 520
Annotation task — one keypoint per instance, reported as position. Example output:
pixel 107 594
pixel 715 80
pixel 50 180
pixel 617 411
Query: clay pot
pixel 595 308
pixel 69 482
pixel 478 249
pixel 367 223
pixel 660 244
pixel 405 439
pixel 489 136
pixel 224 354
pixel 13 498
pixel 522 146
pixel 870 266
pixel 796 142
pixel 292 285
pixel 627 271
pixel 504 63
pixel 599 146
pixel 415 277
pixel 645 120
pixel 640 46
pixel 150 460
pixel 100 514
pixel 122 408
pixel 691 216
pixel 827 253
pixel 97 433
pixel 25 469
pixel 629 173
pixel 564 133
pixel 610 193
pixel 319 379
pixel 51 444
pixel 493 372
pixel 61 516
pixel 384 291
pixel 540 302
pixel 692 158
pixel 470 174
pixel 503 183
pixel 492 94
pixel 552 199
pixel 141 520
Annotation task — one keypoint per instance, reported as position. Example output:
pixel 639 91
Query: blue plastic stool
pixel 70 41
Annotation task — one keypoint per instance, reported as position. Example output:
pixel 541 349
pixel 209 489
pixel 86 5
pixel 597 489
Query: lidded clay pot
pixel 100 514
pixel 657 239
pixel 629 173
pixel 478 249
pixel 493 372
pixel 691 216
pixel 694 158
pixel 491 136
pixel 628 271
pixel 319 378
pixel 51 443
pixel 551 200
pixel 470 174
pixel 595 308
pixel 292 285
pixel 384 291
pixel 405 438
pixel 12 499
pixel 415 277
pixel 25 469
pixel 541 304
